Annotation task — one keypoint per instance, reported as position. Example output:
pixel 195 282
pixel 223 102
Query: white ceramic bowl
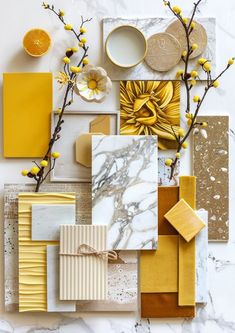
pixel 126 46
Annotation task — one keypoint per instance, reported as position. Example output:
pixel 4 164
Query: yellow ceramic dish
pixel 126 46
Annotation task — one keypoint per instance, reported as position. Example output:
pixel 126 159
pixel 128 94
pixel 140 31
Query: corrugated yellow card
pixel 27 106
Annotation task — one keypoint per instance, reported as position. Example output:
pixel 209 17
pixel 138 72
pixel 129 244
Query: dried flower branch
pixel 190 80
pixel 66 79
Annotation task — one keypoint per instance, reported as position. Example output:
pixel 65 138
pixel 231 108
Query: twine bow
pixel 87 250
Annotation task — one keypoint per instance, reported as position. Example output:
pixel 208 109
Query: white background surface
pixel 16 18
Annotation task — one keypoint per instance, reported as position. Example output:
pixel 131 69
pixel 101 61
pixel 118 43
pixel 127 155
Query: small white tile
pixel 46 220
pixel 54 304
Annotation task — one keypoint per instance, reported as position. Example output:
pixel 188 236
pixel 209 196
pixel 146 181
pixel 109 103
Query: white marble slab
pixel 201 260
pixel 124 190
pixel 54 304
pixel 46 220
pixel 150 26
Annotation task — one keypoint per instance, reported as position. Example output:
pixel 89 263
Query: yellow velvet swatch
pixel 27 107
pixel 32 254
pixel 187 266
pixel 188 190
pixel 159 269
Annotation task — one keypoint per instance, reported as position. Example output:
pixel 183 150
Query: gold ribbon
pixel 87 250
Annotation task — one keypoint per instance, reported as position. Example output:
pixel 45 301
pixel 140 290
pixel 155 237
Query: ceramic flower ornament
pixel 93 84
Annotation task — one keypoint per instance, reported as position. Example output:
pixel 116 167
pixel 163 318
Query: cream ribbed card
pixel 82 277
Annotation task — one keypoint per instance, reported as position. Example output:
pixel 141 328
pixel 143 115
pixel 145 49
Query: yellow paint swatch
pixel 32 254
pixel 187 267
pixel 184 219
pixel 159 269
pixel 27 106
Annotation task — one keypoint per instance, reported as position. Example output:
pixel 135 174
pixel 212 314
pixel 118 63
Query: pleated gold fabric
pixel 32 254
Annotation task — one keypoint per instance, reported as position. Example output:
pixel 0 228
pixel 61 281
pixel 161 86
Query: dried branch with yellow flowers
pixel 190 79
pixel 72 67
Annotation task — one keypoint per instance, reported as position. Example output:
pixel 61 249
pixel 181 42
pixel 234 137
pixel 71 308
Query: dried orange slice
pixel 36 42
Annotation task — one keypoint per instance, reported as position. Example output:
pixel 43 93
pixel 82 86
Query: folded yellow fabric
pixel 187 251
pixel 159 269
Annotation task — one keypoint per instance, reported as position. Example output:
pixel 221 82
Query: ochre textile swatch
pixel 162 262
pixel 32 254
pixel 184 219
pixel 27 107
pixel 168 196
pixel 164 305
pixel 188 190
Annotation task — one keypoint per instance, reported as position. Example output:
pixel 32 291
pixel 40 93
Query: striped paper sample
pixel 82 277
pixel 32 254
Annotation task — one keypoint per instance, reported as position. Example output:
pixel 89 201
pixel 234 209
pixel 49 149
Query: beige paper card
pixel 210 166
pixel 82 277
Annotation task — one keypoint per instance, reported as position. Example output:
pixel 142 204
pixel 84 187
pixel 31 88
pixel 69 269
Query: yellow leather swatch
pixel 101 124
pixel 187 266
pixel 188 190
pixel 184 219
pixel 159 269
pixel 27 107
pixel 32 254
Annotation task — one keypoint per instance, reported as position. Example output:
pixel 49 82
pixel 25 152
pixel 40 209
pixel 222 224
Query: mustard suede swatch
pixel 159 269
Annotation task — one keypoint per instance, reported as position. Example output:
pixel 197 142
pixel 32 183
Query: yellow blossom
pixel 216 84
pixel 44 163
pixel 202 61
pixel 68 27
pixel 74 49
pixel 185 20
pixel 193 82
pixel 58 111
pixel 189 115
pixel 85 61
pixel 80 44
pixel 168 162
pixel 207 67
pixel 35 170
pixel 231 61
pixel 75 69
pixel 179 72
pixel 193 25
pixel 194 74
pixel 194 46
pixel 204 124
pixel 196 99
pixel 177 155
pixel 184 53
pixel 176 9
pixel 83 40
pixel 189 122
pixel 55 154
pixel 82 30
pixel 184 145
pixel 24 172
pixel 61 13
pixel 66 60
pixel 181 132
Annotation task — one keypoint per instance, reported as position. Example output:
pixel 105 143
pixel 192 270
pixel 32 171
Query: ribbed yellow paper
pixel 32 254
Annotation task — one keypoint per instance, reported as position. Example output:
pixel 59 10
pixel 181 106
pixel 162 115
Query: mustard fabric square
pixel 159 269
pixel 183 218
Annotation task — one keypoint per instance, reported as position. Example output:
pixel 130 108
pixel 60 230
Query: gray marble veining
pixel 124 190
pixel 150 26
